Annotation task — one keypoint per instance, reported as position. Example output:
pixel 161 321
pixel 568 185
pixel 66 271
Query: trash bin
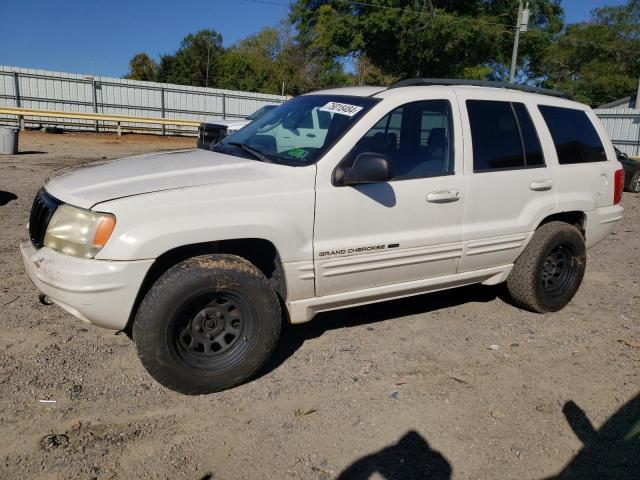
pixel 8 140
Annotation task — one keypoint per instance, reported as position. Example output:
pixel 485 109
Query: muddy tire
pixel 207 324
pixel 549 271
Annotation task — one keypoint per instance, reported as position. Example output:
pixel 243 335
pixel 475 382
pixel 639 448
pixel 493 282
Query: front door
pixel 406 229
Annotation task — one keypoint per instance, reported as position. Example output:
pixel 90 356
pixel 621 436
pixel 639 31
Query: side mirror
pixel 622 157
pixel 367 168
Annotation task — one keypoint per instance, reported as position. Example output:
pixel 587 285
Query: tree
pixel 142 67
pixel 264 61
pixel 598 61
pixel 250 65
pixel 433 38
pixel 196 62
pixel 366 73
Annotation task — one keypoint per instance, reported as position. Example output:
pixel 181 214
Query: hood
pixel 230 124
pixel 94 183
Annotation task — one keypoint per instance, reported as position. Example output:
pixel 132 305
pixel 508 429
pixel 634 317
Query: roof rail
pixel 414 82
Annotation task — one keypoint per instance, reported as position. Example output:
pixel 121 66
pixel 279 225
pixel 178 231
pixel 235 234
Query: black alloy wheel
pixel 559 269
pixel 213 330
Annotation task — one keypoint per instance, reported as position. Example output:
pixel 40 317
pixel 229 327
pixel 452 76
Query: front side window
pixel 574 135
pixel 416 137
pixel 503 136
pixel 298 132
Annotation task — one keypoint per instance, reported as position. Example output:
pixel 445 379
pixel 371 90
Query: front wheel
pixel 549 271
pixel 209 323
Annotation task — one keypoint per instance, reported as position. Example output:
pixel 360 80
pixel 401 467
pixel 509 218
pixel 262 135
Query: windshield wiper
pixel 252 151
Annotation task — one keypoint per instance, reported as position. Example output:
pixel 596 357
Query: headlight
pixel 78 232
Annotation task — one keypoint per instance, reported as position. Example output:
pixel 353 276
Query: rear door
pixel 509 181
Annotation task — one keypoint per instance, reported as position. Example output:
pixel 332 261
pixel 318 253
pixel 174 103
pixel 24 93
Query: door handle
pixel 311 135
pixel 541 185
pixel 443 196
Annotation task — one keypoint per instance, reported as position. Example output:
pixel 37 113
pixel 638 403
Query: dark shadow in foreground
pixel 6 197
pixel 411 458
pixel 612 452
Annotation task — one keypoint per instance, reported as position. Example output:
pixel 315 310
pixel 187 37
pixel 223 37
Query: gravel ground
pixel 459 384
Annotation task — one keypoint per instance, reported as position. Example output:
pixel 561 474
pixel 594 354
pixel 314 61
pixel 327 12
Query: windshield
pixel 299 131
pixel 261 111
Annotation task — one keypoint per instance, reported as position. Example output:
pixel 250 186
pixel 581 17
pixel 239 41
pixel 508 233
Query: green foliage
pixel 429 38
pixel 142 67
pixel 196 62
pixel 258 63
pixel 598 61
pixel 387 40
pixel 250 65
pixel 368 74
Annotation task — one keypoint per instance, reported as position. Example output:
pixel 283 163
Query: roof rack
pixel 414 82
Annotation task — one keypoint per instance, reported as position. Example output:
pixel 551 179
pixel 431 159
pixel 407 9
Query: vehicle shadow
pixel 294 336
pixel 409 459
pixel 6 197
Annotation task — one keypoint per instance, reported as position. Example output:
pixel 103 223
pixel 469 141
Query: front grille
pixel 42 210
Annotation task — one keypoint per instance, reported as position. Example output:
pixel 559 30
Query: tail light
pixel 618 186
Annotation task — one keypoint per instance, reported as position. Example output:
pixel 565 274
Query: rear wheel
pixel 207 324
pixel 549 271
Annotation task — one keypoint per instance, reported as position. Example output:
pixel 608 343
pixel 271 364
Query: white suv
pixel 386 193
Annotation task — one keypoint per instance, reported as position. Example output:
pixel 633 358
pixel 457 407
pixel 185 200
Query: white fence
pixel 623 126
pixel 69 92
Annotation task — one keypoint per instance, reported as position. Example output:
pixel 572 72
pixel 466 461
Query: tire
pixel 207 324
pixel 634 184
pixel 549 271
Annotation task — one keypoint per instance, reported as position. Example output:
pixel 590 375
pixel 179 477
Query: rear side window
pixel 574 135
pixel 503 136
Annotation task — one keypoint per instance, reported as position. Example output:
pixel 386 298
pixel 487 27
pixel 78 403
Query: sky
pixel 99 37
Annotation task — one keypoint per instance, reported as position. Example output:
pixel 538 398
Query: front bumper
pixel 101 292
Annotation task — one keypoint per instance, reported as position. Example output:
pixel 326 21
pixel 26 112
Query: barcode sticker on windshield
pixel 341 108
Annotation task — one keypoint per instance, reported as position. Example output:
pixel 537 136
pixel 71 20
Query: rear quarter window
pixel 574 136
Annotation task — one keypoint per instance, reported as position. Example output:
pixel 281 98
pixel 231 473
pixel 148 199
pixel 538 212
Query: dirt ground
pixel 458 384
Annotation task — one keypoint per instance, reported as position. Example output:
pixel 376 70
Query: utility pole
pixel 206 82
pixel 521 26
